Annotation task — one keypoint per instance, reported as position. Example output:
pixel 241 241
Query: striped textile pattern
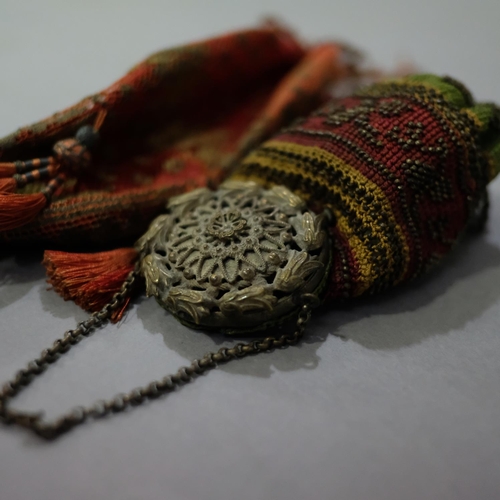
pixel 403 167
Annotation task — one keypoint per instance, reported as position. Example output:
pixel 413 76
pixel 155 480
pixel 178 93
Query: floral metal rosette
pixel 237 259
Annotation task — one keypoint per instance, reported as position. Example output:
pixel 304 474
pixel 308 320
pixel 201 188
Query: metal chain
pixel 51 430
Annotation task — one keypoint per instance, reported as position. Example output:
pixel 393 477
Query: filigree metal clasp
pixel 235 259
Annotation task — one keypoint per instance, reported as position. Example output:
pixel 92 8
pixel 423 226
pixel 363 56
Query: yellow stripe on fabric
pixel 480 125
pixel 361 249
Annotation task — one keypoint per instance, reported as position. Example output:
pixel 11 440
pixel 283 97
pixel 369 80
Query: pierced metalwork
pixel 235 259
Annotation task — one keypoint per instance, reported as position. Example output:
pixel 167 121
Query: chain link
pixel 119 403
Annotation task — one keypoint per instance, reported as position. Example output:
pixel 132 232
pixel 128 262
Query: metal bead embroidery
pixel 237 259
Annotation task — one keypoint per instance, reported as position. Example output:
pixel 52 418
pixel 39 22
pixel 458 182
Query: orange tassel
pixel 8 185
pixel 16 210
pixel 7 169
pixel 90 279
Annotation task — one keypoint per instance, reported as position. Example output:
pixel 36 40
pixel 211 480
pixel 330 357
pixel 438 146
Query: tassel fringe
pixel 16 210
pixel 7 169
pixel 90 280
pixel 8 185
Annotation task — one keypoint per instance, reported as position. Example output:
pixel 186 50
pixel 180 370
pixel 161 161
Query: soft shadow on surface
pixel 54 304
pixel 193 344
pixel 18 274
pixel 459 290
pixel 456 292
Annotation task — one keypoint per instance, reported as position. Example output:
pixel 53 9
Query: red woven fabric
pixel 176 121
pixel 402 166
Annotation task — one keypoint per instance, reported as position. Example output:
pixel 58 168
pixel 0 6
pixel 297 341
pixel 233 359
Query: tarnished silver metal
pixel 235 259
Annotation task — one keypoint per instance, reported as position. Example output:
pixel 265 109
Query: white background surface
pixel 407 407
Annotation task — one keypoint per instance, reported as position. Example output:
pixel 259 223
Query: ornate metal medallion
pixel 236 259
